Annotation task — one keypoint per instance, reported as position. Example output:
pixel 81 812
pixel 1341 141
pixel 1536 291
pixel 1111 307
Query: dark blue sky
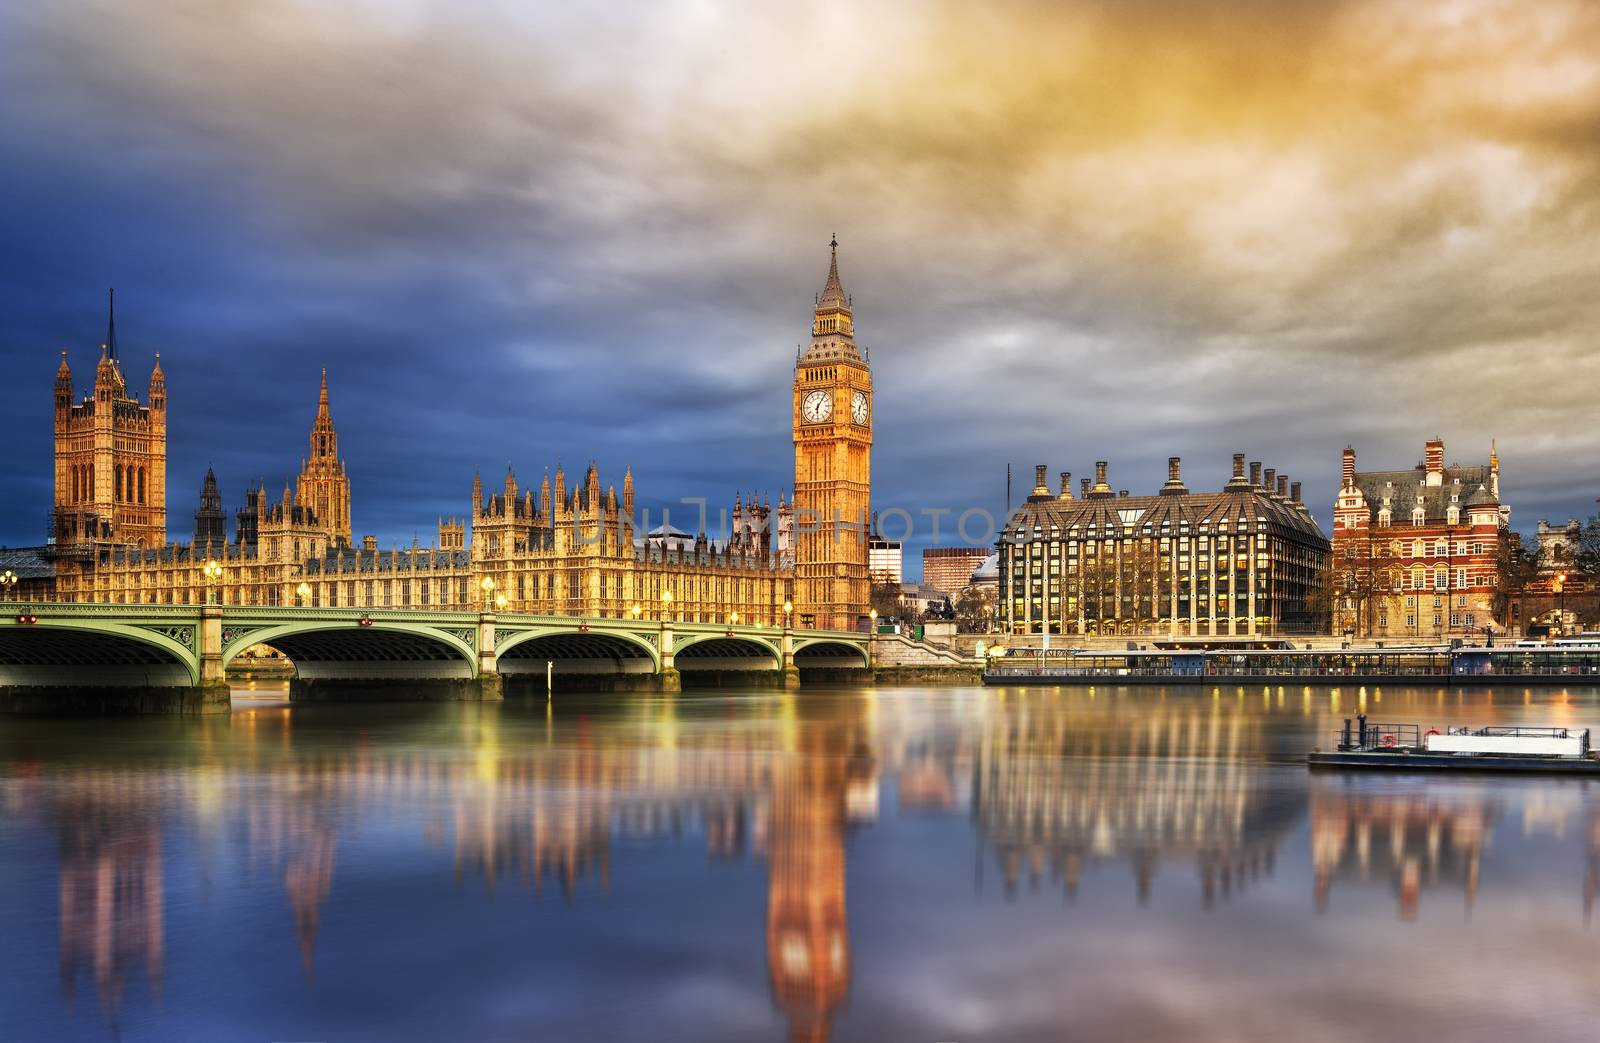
pixel 535 236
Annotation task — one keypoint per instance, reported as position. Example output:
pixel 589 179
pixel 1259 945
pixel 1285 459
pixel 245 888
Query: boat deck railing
pixel 1377 735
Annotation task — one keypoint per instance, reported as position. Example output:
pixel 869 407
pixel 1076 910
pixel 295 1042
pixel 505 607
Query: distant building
pixel 1416 553
pixel 885 563
pixel 950 568
pixel 1558 551
pixel 210 521
pixel 1246 560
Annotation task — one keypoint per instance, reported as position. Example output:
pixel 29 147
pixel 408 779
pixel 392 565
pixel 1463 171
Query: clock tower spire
pixel 832 464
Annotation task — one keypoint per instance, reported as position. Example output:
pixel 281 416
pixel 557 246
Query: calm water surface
pixel 939 864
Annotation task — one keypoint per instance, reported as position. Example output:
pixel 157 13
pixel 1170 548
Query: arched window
pixel 1418 577
pixel 141 485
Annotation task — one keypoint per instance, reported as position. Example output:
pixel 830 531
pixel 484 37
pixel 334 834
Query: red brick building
pixel 1416 552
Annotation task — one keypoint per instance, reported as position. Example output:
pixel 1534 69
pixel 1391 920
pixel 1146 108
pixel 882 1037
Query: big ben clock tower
pixel 832 465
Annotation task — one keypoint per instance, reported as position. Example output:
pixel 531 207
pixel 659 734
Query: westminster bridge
pixel 99 658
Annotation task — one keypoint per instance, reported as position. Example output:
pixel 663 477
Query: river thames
pixel 872 864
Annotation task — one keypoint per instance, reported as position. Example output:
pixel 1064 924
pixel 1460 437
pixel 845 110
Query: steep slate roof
pixel 1242 502
pixel 1401 487
pixel 27 562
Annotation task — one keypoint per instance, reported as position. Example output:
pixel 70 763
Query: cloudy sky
pixel 547 233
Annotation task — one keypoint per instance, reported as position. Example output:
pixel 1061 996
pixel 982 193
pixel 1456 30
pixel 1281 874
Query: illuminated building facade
pixel 950 569
pixel 110 459
pixel 1247 560
pixel 567 551
pixel 832 465
pixel 1417 553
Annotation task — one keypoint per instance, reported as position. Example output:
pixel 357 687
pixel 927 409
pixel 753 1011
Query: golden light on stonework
pixel 733 618
pixel 638 610
pixel 499 601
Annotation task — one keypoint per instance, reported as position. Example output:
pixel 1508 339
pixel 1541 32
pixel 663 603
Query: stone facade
pixel 110 459
pixel 1240 562
pixel 1416 552
pixel 832 465
pixel 567 551
pixel 323 487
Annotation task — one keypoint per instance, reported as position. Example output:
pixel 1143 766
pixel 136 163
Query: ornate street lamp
pixel 303 593
pixel 638 610
pixel 666 605
pixel 213 572
pixel 8 582
pixel 487 586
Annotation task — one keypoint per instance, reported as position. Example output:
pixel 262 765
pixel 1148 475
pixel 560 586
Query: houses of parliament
pixel 569 547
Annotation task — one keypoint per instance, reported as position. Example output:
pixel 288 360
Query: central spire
pixel 833 327
pixel 111 324
pixel 322 400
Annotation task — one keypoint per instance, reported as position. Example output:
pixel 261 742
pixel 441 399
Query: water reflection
pixel 111 891
pixel 1172 782
pixel 1420 834
pixel 285 811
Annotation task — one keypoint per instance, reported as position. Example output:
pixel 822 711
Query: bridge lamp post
pixel 1561 603
pixel 788 611
pixel 733 619
pixel 487 586
pixel 500 602
pixel 666 606
pixel 638 610
pixel 8 582
pixel 213 573
pixel 303 593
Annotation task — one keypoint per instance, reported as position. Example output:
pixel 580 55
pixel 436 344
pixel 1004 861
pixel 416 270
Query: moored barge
pixel 1495 748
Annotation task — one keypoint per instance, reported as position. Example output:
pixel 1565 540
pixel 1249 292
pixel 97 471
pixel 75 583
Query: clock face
pixel 858 407
pixel 817 407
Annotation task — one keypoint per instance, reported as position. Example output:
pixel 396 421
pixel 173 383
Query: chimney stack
pixel 1255 472
pixel 1269 479
pixel 1174 484
pixel 1040 486
pixel 1294 491
pixel 1283 487
pixel 1349 467
pixel 1238 479
pixel 1435 459
pixel 1066 485
pixel 1100 486
pixel 1083 488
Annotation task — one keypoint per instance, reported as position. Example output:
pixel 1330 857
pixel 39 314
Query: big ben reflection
pixel 818 791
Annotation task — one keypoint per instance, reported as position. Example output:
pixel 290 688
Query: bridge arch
pixel 830 652
pixel 89 654
pixel 335 649
pixel 722 652
pixel 575 651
